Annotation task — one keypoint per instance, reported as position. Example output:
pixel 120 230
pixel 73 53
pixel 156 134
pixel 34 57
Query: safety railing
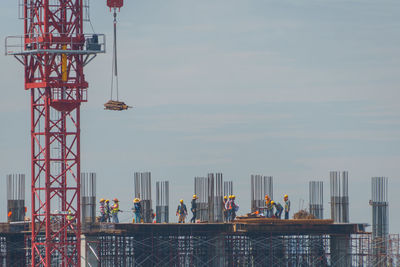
pixel 89 44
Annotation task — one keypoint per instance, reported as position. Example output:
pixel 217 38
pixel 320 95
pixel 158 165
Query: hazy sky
pixel 292 89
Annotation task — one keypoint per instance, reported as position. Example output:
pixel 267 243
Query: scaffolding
pixel 237 249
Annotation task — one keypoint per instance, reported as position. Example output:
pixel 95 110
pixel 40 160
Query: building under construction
pixel 247 241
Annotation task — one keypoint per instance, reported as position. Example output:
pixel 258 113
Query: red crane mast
pixel 54 51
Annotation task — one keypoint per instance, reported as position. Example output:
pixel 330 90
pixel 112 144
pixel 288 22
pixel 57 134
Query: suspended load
pixel 115 103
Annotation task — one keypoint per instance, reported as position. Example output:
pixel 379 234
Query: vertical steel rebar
pixel 339 196
pixel 88 198
pixel 228 188
pixel 15 197
pixel 260 186
pixel 162 202
pixel 142 188
pixel 316 199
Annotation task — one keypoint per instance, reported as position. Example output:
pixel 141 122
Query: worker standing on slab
pixel 115 210
pixel 287 206
pixel 228 208
pixel 225 211
pixel 194 209
pixel 181 211
pixel 107 211
pixel 278 209
pixel 270 208
pixel 137 210
pixel 234 208
pixel 102 210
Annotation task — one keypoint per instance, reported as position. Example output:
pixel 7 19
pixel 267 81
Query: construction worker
pixel 225 211
pixel 107 211
pixel 181 211
pixel 194 208
pixel 228 208
pixel 102 210
pixel 287 206
pixel 115 210
pixel 70 218
pixel 278 209
pixel 269 206
pixel 137 210
pixel 234 208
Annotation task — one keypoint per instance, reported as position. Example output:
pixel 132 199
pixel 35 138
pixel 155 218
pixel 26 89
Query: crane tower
pixel 54 51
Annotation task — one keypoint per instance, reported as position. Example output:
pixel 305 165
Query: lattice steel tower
pixel 54 51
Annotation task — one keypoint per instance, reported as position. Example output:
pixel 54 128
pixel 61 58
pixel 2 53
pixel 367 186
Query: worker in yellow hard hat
pixel 115 210
pixel 181 211
pixel 234 208
pixel 137 210
pixel 193 208
pixel 224 210
pixel 270 208
pixel 102 210
pixel 287 206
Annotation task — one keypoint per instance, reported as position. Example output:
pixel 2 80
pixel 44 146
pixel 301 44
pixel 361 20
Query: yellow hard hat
pixel 225 197
pixel 285 196
pixel 181 201
pixel 233 196
pixel 101 200
pixel 230 196
pixel 194 196
pixel 272 202
pixel 136 200
pixel 107 200
pixel 69 211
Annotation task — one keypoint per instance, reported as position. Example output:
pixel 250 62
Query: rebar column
pixel 215 197
pixel 88 198
pixel 142 183
pixel 380 219
pixel 15 197
pixel 228 188
pixel 260 186
pixel 316 199
pixel 339 196
pixel 162 202
pixel 201 190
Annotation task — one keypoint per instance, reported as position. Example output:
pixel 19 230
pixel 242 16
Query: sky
pixel 289 89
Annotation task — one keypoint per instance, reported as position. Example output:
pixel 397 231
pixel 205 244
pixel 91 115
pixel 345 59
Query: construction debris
pixel 116 105
pixel 303 214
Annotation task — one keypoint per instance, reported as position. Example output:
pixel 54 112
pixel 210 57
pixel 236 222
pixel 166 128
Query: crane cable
pixel 114 75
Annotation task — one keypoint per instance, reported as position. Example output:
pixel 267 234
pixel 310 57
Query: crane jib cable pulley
pixel 115 104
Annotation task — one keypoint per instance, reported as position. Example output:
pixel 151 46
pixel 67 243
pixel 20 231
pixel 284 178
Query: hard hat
pixel 181 201
pixel 194 196
pixel 107 200
pixel 266 197
pixel 233 196
pixel 225 197
pixel 101 200
pixel 285 196
pixel 115 200
pixel 136 200
pixel 69 211
pixel 230 196
pixel 272 202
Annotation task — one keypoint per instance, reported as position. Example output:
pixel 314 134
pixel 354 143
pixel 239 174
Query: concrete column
pixel 15 246
pixel 340 251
